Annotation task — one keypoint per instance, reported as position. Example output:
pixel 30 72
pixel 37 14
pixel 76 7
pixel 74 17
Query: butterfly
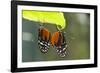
pixel 59 43
pixel 44 39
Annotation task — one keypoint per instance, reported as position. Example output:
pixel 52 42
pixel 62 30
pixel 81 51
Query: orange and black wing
pixel 59 43
pixel 44 39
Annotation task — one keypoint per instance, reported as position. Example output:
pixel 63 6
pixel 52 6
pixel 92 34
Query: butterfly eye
pixel 59 43
pixel 44 40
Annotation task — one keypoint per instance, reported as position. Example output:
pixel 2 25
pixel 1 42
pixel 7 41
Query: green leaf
pixel 56 18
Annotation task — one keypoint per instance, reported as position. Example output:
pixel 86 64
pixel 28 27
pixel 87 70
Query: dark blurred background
pixel 77 38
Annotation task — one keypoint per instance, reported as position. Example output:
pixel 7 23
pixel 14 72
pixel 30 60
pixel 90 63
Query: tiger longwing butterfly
pixel 59 43
pixel 44 40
